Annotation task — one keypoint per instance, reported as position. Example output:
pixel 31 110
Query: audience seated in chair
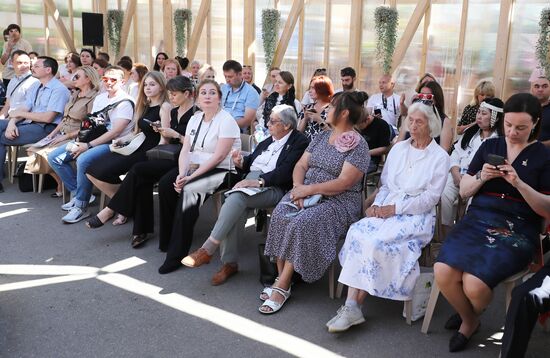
pixel 134 197
pixel 380 254
pixel 38 116
pixel 312 118
pixel 119 124
pixel 500 231
pixel 269 171
pixel 303 239
pixel 204 166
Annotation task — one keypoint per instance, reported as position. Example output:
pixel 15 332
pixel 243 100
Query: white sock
pixel 210 246
pixel 352 304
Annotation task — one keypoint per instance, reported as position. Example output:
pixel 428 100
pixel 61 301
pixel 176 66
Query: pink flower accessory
pixel 347 141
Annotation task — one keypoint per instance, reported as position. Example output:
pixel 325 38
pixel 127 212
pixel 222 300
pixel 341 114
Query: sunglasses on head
pixel 321 70
pixel 247 66
pixel 426 98
pixel 109 79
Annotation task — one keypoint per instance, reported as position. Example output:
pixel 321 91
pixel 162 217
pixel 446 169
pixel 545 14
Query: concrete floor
pixel 61 310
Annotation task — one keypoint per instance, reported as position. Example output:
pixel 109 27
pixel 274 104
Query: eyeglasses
pixel 273 121
pixel 247 66
pixel 109 79
pixel 426 98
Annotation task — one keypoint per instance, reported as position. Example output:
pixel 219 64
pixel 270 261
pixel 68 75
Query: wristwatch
pixel 261 182
pixel 90 146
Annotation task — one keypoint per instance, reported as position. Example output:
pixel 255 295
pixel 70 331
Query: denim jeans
pixel 28 133
pixel 77 182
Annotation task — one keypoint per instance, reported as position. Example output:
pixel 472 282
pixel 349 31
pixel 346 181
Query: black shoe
pixel 454 322
pixel 139 240
pixel 1 188
pixel 168 267
pixel 459 341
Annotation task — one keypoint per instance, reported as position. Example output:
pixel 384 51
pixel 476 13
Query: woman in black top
pixel 135 195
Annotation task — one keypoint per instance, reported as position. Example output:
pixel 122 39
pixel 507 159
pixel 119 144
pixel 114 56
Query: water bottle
pixel 259 133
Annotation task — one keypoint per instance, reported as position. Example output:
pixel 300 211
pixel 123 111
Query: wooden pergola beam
pixel 300 65
pixel 249 36
pixel 167 27
pixel 355 34
pixel 503 41
pixel 54 12
pixel 102 6
pixel 425 39
pixel 290 24
pixel 326 37
pixel 127 22
pixel 228 27
pixel 408 34
pixel 197 28
pixel 459 58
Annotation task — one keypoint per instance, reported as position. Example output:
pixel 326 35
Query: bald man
pixel 386 101
pixel 540 88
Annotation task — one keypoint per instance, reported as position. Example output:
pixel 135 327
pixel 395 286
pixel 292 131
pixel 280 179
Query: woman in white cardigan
pixel 380 254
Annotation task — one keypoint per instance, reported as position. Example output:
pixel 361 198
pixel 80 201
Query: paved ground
pixel 65 306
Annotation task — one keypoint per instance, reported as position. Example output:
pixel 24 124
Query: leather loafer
pixel 454 322
pixel 459 341
pixel 197 258
pixel 139 240
pixel 226 271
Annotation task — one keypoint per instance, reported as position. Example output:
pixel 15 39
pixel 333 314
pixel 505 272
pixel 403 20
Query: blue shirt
pixel 236 102
pixel 51 97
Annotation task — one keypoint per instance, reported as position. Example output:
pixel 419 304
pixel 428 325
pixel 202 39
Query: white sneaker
pixel 75 215
pixel 92 199
pixel 68 206
pixel 346 317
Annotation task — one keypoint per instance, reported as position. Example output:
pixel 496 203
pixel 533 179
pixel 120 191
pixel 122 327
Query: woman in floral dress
pixel 380 254
pixel 304 240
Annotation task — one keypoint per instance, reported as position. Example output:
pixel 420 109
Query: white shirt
pixel 123 111
pixel 267 161
pixel 390 111
pixel 461 158
pixel 413 179
pixel 223 125
pixel 18 97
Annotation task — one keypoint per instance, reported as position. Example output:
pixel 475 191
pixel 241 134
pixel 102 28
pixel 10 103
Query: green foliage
pixel 542 47
pixel 182 25
pixel 114 26
pixel 271 18
pixel 385 24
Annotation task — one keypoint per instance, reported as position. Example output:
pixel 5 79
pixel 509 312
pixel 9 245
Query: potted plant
pixel 385 25
pixel 182 25
pixel 271 18
pixel 114 26
pixel 541 49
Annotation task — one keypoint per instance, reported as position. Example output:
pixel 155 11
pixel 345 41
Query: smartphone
pixel 312 110
pixel 151 123
pixel 378 112
pixel 495 159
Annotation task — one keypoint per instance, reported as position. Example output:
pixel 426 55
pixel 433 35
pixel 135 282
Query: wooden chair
pixel 509 284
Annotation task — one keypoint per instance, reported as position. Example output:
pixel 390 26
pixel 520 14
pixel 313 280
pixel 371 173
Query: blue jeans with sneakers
pixel 76 181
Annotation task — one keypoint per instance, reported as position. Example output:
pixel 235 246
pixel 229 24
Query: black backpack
pixel 24 180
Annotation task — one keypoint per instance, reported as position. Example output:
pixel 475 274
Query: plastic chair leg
pixel 434 295
pixel 408 312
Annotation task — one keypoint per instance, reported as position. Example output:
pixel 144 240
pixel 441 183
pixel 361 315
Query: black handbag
pixel 95 124
pixel 164 151
pixel 268 269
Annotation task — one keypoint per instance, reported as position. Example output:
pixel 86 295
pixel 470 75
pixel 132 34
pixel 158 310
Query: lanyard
pixel 19 84
pixel 385 104
pixel 240 90
pixel 36 95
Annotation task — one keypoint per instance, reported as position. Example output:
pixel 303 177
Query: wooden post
pixel 152 56
pixel 408 35
pixel 459 60
pixel 249 45
pixel 51 7
pixel 18 12
pixel 503 40
pixel 167 27
pixel 71 19
pixel 326 38
pixel 300 64
pixel 209 37
pixel 228 29
pixel 295 10
pixel 197 28
pixel 425 39
pixel 102 8
pixel 46 30
pixel 136 34
pixel 124 32
pixel 356 30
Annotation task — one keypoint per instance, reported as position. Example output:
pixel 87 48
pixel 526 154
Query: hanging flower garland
pixel 385 24
pixel 114 26
pixel 543 44
pixel 182 25
pixel 271 19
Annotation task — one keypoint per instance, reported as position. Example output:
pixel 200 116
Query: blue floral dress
pixel 499 233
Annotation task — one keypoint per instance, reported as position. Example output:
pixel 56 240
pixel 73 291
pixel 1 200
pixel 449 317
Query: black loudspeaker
pixel 92 29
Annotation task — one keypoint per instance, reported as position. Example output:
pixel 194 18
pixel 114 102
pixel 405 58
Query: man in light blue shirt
pixel 238 97
pixel 42 111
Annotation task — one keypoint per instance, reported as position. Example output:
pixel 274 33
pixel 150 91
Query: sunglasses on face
pixel 109 80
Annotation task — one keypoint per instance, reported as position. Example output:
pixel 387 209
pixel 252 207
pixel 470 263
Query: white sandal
pixel 267 291
pixel 275 306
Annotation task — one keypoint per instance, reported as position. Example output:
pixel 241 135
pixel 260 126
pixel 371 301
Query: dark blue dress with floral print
pixel 498 235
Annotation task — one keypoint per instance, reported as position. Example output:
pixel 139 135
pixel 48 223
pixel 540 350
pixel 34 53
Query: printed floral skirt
pixel 495 239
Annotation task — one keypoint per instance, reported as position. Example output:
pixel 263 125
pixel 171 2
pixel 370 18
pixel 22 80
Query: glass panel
pixel 314 39
pixel 290 59
pixel 339 40
pixel 219 38
pixel 369 66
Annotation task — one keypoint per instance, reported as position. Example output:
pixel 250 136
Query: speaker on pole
pixel 92 29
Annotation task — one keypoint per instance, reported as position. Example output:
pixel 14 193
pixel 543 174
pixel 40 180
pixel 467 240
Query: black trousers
pixel 134 198
pixel 522 316
pixel 177 225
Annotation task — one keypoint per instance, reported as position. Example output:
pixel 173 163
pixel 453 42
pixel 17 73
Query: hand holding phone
pixel 495 160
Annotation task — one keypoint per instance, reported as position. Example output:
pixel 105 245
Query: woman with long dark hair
pixel 284 93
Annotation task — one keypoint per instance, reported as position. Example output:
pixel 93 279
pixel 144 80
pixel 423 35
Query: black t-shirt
pixel 180 124
pixel 545 124
pixel 377 135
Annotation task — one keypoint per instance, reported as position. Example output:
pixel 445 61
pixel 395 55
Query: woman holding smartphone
pixel 311 120
pixel 509 179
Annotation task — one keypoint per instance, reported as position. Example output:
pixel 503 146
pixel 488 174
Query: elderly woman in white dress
pixel 380 254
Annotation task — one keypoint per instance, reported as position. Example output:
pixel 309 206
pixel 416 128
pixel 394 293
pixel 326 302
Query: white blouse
pixel 413 179
pixel 461 158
